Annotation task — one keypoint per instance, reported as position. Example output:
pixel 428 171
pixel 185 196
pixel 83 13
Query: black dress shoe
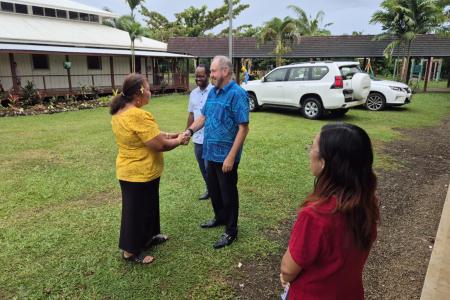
pixel 211 223
pixel 225 240
pixel 204 196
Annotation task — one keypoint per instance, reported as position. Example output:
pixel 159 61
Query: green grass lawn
pixel 60 201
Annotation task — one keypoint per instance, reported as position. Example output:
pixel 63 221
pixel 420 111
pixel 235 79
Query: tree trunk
pixel 133 62
pixel 278 61
pixel 408 59
pixel 395 62
pixel 402 76
pixel 278 54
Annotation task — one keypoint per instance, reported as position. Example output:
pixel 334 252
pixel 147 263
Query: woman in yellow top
pixel 139 166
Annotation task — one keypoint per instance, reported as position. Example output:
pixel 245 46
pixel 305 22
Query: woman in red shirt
pixel 336 227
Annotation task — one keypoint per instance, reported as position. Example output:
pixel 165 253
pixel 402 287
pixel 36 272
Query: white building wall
pixel 82 76
pixel 121 69
pixel 149 69
pixel 5 72
pixel 56 76
pixel 53 77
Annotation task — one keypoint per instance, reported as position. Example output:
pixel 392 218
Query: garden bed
pixel 51 108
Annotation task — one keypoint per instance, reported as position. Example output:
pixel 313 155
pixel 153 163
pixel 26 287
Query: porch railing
pixel 77 82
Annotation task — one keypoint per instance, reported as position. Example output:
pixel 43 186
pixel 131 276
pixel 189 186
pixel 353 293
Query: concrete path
pixel 437 280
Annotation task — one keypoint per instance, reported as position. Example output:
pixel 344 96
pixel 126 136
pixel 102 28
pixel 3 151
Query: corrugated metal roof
pixel 24 48
pixel 67 5
pixel 53 31
pixel 309 47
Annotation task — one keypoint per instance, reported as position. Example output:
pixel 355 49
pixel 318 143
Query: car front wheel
pixel 252 102
pixel 375 102
pixel 312 108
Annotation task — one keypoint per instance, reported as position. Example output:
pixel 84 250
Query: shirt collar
pixel 226 88
pixel 206 89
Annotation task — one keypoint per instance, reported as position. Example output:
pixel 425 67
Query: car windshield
pixel 348 71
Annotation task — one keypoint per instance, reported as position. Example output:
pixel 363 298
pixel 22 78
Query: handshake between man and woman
pixel 182 137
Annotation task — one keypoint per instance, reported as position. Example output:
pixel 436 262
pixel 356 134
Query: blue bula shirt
pixel 224 110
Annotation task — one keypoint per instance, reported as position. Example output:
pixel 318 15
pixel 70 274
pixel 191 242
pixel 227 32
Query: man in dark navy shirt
pixel 225 119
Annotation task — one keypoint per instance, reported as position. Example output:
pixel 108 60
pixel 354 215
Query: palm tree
pixel 308 26
pixel 403 20
pixel 282 32
pixel 135 30
pixel 133 4
pixel 118 23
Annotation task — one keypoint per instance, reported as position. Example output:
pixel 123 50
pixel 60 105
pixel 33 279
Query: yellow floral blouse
pixel 135 162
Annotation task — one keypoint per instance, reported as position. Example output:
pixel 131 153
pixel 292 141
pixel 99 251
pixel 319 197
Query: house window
pixel 6 6
pixel 94 62
pixel 50 12
pixel 38 11
pixel 61 13
pixel 84 17
pixel 73 15
pixel 93 18
pixel 21 9
pixel 40 61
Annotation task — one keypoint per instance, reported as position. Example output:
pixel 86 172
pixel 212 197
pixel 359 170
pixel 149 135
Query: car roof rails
pixel 303 62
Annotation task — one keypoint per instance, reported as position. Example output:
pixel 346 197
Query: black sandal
pixel 138 258
pixel 157 240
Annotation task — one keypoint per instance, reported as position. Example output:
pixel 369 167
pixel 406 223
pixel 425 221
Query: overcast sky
pixel 346 15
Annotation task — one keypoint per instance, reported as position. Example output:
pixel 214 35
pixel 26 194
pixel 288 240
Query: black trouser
pixel 224 195
pixel 202 164
pixel 140 214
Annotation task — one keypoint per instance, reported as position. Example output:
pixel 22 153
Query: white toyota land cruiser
pixel 316 88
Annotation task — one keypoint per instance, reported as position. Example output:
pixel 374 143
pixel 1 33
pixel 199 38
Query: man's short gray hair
pixel 224 63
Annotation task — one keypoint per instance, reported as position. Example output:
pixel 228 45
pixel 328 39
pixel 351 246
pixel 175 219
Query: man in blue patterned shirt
pixel 225 119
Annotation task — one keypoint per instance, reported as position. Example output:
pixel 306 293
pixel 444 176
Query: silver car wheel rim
pixel 374 102
pixel 251 103
pixel 311 109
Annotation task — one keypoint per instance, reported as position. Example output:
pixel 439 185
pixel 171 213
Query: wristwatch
pixel 191 131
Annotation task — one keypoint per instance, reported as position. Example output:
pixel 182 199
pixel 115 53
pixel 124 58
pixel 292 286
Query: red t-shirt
pixel 322 245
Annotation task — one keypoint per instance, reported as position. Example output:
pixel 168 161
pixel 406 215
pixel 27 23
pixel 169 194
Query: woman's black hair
pixel 347 153
pixel 131 86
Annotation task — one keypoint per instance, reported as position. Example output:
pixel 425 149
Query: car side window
pixel 318 73
pixel 277 75
pixel 298 74
pixel 348 71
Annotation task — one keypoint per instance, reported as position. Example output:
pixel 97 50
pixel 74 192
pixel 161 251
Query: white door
pixel 271 89
pixel 297 84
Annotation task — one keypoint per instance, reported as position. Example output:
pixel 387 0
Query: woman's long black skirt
pixel 140 214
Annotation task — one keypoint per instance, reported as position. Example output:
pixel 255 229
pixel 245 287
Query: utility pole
pixel 230 30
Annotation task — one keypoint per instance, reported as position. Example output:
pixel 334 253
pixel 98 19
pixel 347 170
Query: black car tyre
pixel 253 102
pixel 375 102
pixel 312 108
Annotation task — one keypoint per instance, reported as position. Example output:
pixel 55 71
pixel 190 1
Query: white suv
pixel 316 88
pixel 385 93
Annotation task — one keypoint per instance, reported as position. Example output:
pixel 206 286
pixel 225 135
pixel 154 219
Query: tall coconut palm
pixel 133 4
pixel 309 26
pixel 282 32
pixel 403 20
pixel 119 23
pixel 135 30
